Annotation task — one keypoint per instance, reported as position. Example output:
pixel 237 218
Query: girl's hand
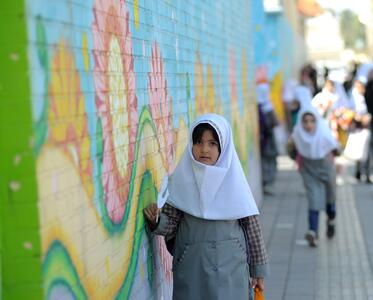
pixel 257 283
pixel 151 213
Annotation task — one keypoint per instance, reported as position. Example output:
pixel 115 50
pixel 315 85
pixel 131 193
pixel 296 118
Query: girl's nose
pixel 205 148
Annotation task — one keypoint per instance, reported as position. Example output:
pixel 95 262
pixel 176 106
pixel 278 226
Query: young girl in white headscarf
pixel 315 146
pixel 213 217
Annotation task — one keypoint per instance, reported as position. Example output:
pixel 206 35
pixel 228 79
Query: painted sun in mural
pixel 116 101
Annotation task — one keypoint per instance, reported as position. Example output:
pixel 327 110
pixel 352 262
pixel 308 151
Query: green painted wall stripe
pixel 19 225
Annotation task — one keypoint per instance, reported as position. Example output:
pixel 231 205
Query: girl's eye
pixel 212 144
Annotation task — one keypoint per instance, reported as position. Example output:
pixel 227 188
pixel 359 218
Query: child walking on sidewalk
pixel 315 147
pixel 213 216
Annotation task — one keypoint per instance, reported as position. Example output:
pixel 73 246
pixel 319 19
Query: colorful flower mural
pixel 211 104
pixel 239 128
pixel 117 98
pixel 199 84
pixel 165 258
pixel 160 107
pixel 206 97
pixel 67 113
pixel 116 101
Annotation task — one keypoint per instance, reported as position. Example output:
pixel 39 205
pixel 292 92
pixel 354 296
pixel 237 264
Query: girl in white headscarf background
pixel 334 105
pixel 326 100
pixel 315 147
pixel 212 217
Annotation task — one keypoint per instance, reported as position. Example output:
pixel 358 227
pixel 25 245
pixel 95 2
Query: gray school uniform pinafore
pixel 210 260
pixel 319 178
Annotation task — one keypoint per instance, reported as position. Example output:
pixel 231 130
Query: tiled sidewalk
pixel 339 268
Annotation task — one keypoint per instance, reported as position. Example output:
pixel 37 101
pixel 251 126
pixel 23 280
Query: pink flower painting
pixel 116 101
pixel 160 107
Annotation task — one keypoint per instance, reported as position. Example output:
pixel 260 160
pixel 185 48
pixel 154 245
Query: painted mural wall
pixel 279 48
pixel 106 91
pixel 115 85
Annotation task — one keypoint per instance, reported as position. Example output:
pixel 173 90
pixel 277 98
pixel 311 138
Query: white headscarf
pixel 358 99
pixel 325 101
pixel 315 145
pixel 342 99
pixel 218 192
pixel 263 97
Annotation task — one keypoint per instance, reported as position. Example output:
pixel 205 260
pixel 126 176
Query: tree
pixel 352 30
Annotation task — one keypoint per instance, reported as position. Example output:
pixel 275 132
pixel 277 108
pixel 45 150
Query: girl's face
pixel 329 85
pixel 309 123
pixel 360 87
pixel 206 150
